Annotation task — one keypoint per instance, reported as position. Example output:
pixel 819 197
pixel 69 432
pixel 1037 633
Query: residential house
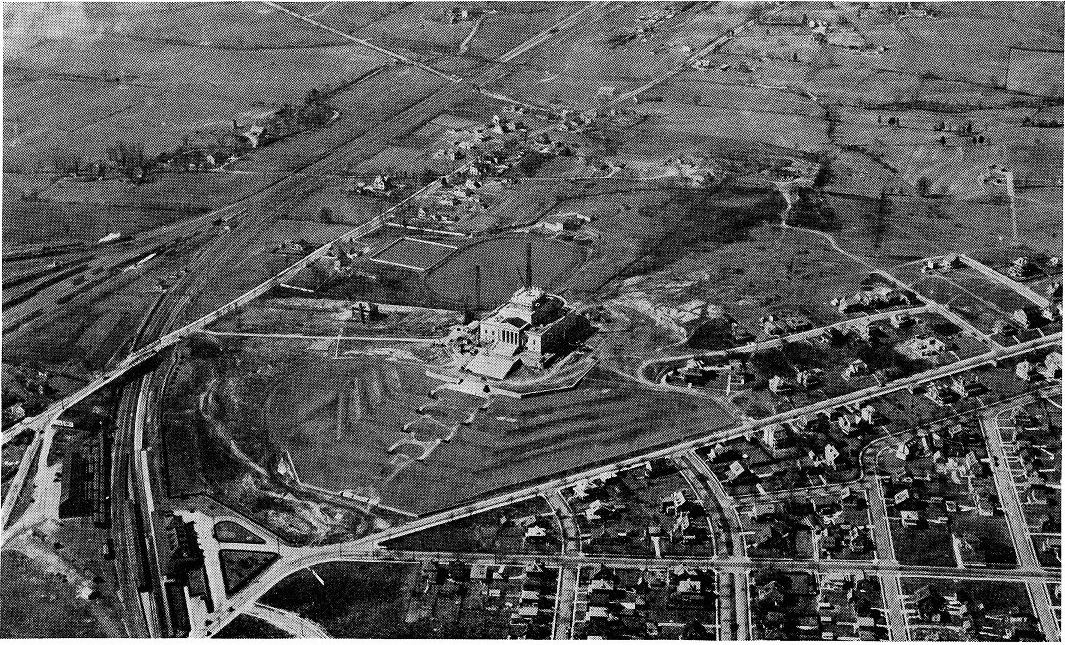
pixel 857 367
pixel 1020 268
pixel 922 347
pixel 810 378
pixel 1029 317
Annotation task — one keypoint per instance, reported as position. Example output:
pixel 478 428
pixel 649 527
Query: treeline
pixel 201 151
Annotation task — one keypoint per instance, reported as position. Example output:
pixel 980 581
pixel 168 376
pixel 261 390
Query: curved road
pixel 288 621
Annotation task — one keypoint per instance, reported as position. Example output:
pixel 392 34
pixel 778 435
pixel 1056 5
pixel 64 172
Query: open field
pixel 359 599
pixel 367 423
pixel 40 603
pixel 246 626
pixel 337 318
pixel 88 91
pixel 647 230
pixel 502 262
pixel 414 253
pixel 571 69
pixel 769 272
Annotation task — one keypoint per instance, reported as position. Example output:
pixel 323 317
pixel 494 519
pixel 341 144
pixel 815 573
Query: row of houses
pixel 617 607
pixel 796 606
pixel 968 613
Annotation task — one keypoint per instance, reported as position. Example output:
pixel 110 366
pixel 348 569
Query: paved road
pixel 294 559
pixel 565 603
pixel 340 554
pixel 729 608
pixel 571 534
pixel 1022 541
pixel 740 600
pixel 1020 288
pixel 546 34
pixel 567 582
pixel 890 583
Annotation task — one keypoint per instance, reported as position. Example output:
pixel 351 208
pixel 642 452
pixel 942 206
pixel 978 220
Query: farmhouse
pixel 922 347
pixel 1029 317
pixel 533 327
pixel 558 222
pixel 1021 268
pixel 878 297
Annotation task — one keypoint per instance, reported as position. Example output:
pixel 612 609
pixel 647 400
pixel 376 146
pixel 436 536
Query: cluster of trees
pixel 129 160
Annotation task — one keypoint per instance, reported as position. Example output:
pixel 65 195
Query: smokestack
pixel 477 287
pixel 528 264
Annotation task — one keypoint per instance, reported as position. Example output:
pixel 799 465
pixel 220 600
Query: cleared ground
pixel 366 423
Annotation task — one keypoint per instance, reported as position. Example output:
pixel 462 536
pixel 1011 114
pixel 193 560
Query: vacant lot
pixel 245 626
pixel 415 253
pixel 366 422
pixel 42 604
pixel 358 600
pixel 506 530
pixel 502 262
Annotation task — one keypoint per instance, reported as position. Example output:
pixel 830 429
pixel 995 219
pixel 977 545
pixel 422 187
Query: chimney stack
pixel 528 264
pixel 477 287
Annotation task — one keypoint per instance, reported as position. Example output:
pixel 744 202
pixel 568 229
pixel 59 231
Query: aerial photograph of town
pixel 532 320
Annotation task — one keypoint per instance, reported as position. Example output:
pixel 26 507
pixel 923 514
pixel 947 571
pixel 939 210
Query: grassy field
pixel 241 567
pixel 416 253
pixel 67 96
pixel 367 423
pixel 245 626
pixel 498 531
pixel 358 600
pixel 502 262
pixel 570 68
pixel 41 604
